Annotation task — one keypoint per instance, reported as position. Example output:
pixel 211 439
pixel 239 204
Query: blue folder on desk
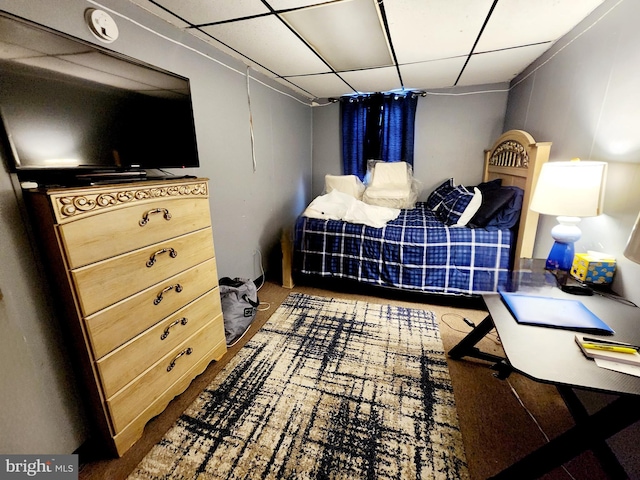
pixel 554 312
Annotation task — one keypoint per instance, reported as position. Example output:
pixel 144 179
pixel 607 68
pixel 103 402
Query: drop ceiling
pixel 324 49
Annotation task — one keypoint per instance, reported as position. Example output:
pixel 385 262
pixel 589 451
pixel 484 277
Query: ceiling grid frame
pixel 500 43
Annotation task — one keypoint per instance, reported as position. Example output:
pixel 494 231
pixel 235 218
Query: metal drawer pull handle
pixel 158 299
pixel 186 351
pixel 182 321
pixel 145 217
pixel 152 259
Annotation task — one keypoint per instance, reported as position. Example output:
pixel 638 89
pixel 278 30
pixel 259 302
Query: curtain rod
pixel 422 93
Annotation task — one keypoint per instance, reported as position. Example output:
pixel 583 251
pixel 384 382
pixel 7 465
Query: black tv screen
pixel 69 106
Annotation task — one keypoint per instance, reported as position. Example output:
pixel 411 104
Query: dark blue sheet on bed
pixel 413 252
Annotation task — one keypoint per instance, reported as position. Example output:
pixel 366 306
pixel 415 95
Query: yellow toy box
pixel 593 267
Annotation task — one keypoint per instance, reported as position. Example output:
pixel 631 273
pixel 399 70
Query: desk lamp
pixel 569 190
pixel 632 251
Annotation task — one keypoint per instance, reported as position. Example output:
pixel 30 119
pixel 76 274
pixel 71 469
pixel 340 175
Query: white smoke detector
pixel 101 24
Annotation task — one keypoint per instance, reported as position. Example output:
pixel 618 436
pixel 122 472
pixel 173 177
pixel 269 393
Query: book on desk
pixel 554 312
pixel 612 351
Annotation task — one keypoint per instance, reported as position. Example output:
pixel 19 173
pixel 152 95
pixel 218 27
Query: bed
pixel 428 247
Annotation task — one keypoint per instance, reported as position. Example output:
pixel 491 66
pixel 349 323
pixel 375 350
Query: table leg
pixel 466 347
pixel 601 450
pixel 593 430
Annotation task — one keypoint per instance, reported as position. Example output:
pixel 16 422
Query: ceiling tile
pixel 220 46
pixel 348 35
pixel 433 74
pixel 322 86
pixel 373 80
pixel 499 66
pixel 267 41
pixel 286 4
pixel 431 38
pixel 160 12
pixel 513 24
pixel 296 88
pixel 233 53
pixel 434 29
pixel 199 12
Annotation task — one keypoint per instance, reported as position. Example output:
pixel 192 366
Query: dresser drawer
pixel 128 403
pixel 109 281
pixel 127 362
pixel 112 326
pixel 112 232
pixel 134 430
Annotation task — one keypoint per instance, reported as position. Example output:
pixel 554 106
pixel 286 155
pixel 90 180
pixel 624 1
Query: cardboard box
pixel 593 267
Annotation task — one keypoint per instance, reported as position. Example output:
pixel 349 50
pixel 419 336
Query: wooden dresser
pixel 135 271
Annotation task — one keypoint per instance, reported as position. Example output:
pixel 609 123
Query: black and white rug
pixel 327 389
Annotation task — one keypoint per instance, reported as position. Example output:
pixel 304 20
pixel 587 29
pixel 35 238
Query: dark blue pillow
pixel 454 205
pixel 439 193
pixel 509 215
pixel 500 208
pixel 493 201
pixel 490 185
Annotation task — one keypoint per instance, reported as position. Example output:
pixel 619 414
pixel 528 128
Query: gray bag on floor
pixel 239 297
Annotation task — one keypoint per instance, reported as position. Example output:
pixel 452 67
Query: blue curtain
pixel 354 126
pixel 378 127
pixel 397 128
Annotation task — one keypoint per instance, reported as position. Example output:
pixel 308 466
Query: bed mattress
pixel 416 251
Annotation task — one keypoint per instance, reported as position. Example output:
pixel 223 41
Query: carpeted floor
pixel 329 388
pixel 496 429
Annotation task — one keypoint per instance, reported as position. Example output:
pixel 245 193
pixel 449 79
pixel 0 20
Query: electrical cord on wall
pixel 616 298
pixel 253 147
pixel 263 306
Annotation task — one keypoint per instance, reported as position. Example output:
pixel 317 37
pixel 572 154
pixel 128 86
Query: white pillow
pixel 349 184
pixel 391 174
pixel 471 209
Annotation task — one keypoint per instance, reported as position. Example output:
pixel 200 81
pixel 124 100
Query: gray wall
pixel 453 128
pixel 39 408
pixel 583 96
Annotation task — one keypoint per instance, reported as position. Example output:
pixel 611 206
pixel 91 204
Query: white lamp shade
pixel 570 189
pixel 632 252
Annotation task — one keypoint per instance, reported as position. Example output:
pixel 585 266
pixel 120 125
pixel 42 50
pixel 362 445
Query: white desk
pixel 551 355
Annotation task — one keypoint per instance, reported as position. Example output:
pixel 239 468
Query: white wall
pixel 453 128
pixel 583 96
pixel 39 411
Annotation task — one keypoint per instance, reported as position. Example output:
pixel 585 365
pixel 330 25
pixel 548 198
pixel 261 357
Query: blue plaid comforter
pixel 413 252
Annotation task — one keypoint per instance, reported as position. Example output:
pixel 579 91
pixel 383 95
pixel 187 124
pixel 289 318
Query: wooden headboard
pixel 517 158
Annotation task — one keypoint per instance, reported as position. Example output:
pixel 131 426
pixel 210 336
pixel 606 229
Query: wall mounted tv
pixel 72 110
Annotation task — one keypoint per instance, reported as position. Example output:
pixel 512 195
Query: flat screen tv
pixel 72 110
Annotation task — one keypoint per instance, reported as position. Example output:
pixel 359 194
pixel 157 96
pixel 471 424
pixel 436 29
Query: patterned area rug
pixel 328 388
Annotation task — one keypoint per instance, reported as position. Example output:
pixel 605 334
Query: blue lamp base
pixel 563 250
pixel 561 256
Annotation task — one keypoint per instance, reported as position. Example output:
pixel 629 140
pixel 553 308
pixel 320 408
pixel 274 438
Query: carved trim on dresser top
pixel 74 203
pixel 510 154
